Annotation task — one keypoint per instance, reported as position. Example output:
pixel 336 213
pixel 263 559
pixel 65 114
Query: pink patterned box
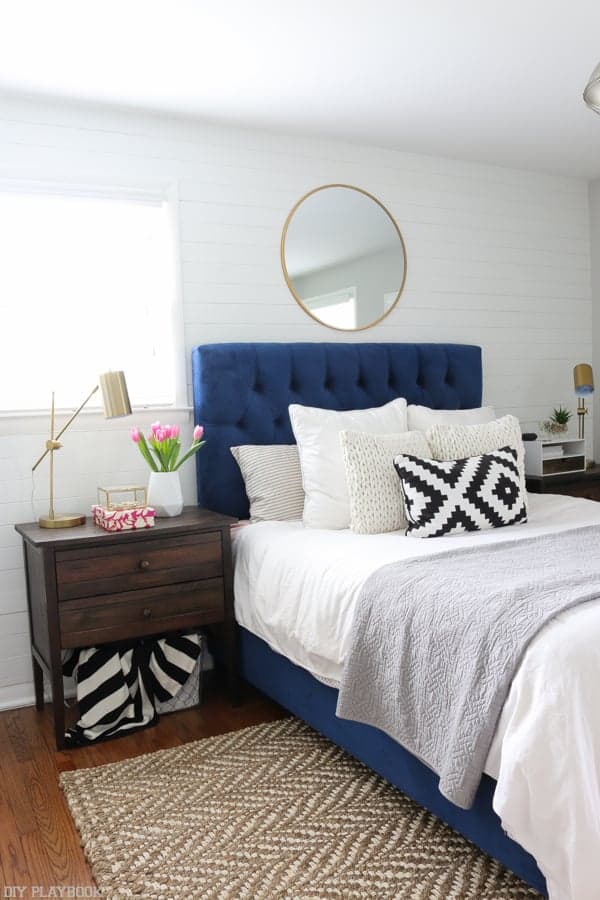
pixel 123 519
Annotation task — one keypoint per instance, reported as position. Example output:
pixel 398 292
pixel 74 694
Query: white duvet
pixel 296 588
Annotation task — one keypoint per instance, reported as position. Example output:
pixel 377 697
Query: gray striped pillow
pixel 273 480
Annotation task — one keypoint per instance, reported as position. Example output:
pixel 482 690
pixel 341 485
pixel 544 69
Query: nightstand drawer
pixel 95 620
pixel 143 564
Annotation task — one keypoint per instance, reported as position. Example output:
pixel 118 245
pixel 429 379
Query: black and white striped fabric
pixel 273 480
pixel 458 495
pixel 117 686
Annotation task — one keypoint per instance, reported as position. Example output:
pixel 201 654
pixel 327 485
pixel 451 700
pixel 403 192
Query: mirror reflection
pixel 343 257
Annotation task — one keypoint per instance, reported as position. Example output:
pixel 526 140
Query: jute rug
pixel 272 811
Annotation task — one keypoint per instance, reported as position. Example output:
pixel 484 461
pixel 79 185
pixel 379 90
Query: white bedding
pixel 296 588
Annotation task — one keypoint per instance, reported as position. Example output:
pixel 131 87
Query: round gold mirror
pixel 343 257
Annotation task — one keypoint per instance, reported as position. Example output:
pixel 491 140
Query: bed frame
pixel 241 396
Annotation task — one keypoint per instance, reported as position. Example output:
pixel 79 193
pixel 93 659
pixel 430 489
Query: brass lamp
pixel 115 400
pixel 584 385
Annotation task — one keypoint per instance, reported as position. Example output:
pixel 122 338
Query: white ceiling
pixel 492 80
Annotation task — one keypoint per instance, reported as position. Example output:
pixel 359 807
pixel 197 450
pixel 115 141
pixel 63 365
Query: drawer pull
pixel 147 613
pixel 144 564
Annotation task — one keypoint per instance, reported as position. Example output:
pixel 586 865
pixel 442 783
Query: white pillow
pixel 376 499
pixel 461 441
pixel 273 480
pixel 317 433
pixel 420 418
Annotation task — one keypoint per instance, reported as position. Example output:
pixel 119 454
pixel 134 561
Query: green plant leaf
pixel 145 451
pixel 159 452
pixel 560 415
pixel 170 447
pixel 174 455
pixel 193 449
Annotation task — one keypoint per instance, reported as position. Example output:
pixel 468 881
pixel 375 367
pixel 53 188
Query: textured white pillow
pixel 420 418
pixel 317 433
pixel 460 441
pixel 273 480
pixel 374 489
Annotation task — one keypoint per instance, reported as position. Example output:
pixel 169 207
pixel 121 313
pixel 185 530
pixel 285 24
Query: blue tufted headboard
pixel 242 393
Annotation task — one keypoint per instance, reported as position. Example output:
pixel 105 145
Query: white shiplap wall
pixel 595 270
pixel 497 257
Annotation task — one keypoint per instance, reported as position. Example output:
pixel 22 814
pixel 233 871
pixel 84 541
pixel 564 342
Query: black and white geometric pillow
pixel 461 495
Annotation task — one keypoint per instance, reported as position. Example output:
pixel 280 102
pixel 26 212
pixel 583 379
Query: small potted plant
pixel 161 450
pixel 558 422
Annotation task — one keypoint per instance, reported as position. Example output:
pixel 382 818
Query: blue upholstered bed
pixel 241 396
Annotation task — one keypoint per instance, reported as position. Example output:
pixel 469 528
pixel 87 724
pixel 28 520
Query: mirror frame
pixel 287 276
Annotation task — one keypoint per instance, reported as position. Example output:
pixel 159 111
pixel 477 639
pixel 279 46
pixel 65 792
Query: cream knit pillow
pixel 376 500
pixel 420 418
pixel 461 441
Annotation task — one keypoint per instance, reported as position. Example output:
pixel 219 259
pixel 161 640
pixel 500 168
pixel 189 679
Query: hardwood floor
pixel 39 845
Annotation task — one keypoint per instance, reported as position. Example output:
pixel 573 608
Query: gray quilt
pixel 436 642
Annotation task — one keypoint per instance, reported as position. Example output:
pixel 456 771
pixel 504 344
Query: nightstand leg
pixel 58 700
pixel 59 721
pixel 233 681
pixel 230 630
pixel 38 683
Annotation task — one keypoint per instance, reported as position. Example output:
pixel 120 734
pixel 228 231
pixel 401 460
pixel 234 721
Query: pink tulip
pixel 160 434
pixel 198 432
pixel 168 431
pixel 135 435
pixel 154 428
pixel 174 431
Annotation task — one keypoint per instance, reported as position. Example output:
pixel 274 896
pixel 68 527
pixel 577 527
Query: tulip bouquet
pixel 162 446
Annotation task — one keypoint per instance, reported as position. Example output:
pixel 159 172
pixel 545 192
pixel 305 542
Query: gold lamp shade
pixel 115 396
pixel 584 379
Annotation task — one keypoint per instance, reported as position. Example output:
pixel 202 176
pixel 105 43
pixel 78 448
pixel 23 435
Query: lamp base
pixel 61 521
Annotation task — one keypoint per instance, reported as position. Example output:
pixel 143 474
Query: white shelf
pixel 572 457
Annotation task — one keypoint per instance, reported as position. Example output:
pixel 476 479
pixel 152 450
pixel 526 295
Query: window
pixel 87 284
pixel 337 308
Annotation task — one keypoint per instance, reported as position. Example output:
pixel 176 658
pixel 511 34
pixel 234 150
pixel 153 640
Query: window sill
pixel 37 421
pixel 90 411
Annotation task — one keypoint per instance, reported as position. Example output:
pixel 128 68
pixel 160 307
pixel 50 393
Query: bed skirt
pixel 315 703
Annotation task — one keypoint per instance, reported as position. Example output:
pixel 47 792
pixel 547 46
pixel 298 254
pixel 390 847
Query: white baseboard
pixel 16 696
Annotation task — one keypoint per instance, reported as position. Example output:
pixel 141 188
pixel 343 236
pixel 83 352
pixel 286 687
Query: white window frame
pixel 335 298
pixel 156 191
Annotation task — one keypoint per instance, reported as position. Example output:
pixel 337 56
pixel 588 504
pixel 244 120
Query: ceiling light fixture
pixel 591 95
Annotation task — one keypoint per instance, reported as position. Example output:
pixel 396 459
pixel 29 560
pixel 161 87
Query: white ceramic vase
pixel 164 493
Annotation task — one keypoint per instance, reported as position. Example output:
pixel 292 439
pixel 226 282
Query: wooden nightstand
pixel 87 586
pixel 575 484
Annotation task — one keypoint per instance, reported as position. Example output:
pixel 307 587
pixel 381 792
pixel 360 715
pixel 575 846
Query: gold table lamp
pixel 584 386
pixel 115 400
